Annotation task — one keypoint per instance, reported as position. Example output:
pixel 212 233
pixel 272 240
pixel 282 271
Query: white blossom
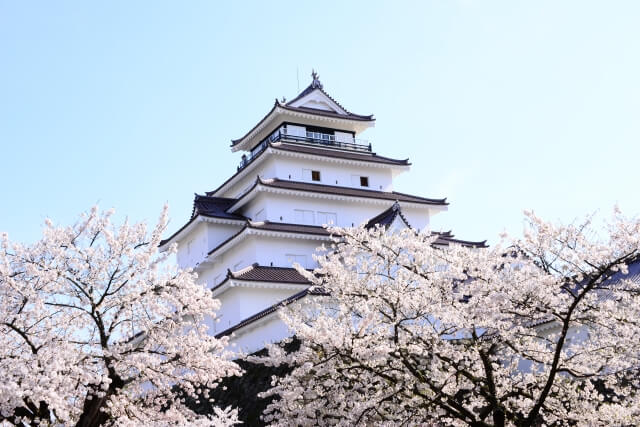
pixel 532 331
pixel 96 329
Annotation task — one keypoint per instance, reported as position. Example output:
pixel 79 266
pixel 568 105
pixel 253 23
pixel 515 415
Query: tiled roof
pixel 386 218
pixel 212 207
pixel 257 273
pixel 275 226
pixel 314 111
pixel 349 116
pixel 317 85
pixel 289 228
pixel 339 154
pixel 348 191
pixel 331 153
pixel 447 238
pixel 272 309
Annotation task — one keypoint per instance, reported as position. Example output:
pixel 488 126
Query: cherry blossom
pixel 541 330
pixel 96 328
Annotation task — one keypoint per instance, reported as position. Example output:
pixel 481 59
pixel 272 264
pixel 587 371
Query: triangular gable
pixel 398 223
pixel 317 100
pixel 392 219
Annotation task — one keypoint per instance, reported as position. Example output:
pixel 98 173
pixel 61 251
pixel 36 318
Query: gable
pixel 398 224
pixel 317 100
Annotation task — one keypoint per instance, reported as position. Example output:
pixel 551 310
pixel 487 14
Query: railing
pixel 314 138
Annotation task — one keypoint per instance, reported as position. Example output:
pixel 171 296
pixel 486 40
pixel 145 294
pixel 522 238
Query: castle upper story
pixel 304 163
pixel 311 117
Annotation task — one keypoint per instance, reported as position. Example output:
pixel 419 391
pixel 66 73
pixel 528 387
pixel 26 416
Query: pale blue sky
pixel 501 106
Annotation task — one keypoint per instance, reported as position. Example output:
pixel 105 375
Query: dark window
pixel 364 181
pixel 315 175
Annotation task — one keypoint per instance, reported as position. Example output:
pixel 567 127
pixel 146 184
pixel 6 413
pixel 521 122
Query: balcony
pixel 311 138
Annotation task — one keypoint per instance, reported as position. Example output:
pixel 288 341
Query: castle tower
pixel 304 165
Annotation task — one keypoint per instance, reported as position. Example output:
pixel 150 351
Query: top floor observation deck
pixel 309 136
pixel 315 118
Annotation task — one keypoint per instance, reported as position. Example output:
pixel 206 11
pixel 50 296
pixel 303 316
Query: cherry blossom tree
pixel 96 329
pixel 542 330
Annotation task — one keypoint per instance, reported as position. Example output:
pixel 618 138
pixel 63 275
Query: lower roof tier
pixel 230 210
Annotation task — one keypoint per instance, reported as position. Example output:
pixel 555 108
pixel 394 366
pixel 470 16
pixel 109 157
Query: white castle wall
pixel 205 236
pixel 254 337
pixel 282 166
pixel 287 208
pixel 265 167
pixel 239 303
pixel 265 251
pixel 195 245
pixel 295 169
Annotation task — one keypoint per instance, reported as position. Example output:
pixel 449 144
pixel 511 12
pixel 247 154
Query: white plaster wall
pixel 333 173
pixel 269 329
pixel 265 167
pixel 276 251
pixel 296 130
pixel 218 233
pixel 418 218
pixel 242 255
pixel 343 137
pixel 261 249
pixel 239 303
pixel 281 208
pixel 254 337
pixel 194 247
pixel 290 168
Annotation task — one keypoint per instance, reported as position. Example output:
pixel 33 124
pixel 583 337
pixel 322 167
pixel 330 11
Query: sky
pixel 501 106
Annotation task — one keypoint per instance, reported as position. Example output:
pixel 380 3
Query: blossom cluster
pixel 96 328
pixel 541 330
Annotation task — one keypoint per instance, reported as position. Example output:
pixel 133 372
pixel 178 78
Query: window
pixel 310 175
pixel 300 259
pixel 304 216
pixel 328 218
pixel 359 181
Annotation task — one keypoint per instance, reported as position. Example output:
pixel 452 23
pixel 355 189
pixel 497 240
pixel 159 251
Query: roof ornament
pixel 283 100
pixel 316 80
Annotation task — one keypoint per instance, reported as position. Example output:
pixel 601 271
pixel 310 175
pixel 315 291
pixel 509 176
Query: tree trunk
pixel 92 415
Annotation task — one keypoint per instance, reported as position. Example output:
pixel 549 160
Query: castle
pixel 304 166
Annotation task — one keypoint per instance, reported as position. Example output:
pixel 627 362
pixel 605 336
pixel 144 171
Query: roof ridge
pixel 444 200
pixel 317 85
pixel 266 221
pixel 331 189
pixel 276 267
pixel 388 216
pixel 243 270
pixel 205 196
pixel 292 147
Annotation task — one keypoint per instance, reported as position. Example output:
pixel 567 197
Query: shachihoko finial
pixel 316 80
